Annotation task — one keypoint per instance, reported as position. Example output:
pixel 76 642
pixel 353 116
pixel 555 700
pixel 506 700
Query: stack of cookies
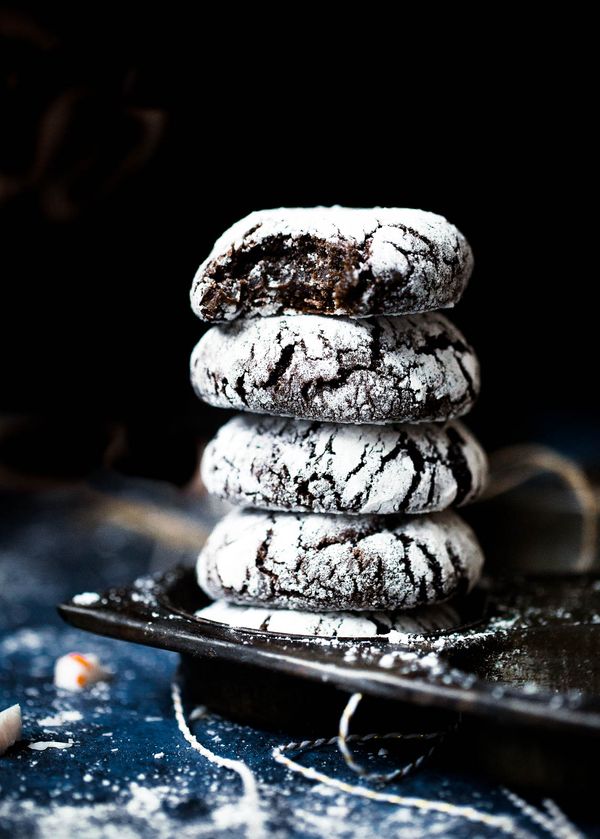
pixel 348 454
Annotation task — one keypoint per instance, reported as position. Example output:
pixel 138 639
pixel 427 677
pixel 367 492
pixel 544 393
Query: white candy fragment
pixel 10 727
pixel 42 745
pixel 76 671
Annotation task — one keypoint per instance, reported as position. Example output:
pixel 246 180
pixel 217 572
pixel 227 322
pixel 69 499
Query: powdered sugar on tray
pixel 86 598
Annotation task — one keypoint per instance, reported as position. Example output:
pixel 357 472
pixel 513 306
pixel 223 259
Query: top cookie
pixel 333 261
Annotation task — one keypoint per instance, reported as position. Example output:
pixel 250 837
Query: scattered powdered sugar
pixel 60 718
pixel 388 660
pixel 144 591
pixel 415 645
pixel 326 467
pixel 429 663
pixel 144 800
pixel 136 810
pixel 24 639
pixel 496 625
pixel 326 813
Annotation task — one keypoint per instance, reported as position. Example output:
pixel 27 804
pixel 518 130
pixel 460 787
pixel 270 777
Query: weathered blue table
pixel 129 772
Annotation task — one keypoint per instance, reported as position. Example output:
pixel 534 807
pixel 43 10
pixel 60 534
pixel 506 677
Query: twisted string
pixel 514 465
pixel 343 738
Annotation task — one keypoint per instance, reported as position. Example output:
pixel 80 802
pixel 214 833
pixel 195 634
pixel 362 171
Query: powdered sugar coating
pixel 336 563
pixel 283 464
pixel 388 369
pixel 332 624
pixel 333 260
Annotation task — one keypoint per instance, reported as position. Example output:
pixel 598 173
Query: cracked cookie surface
pixel 415 368
pixel 333 624
pixel 334 261
pixel 331 563
pixel 275 463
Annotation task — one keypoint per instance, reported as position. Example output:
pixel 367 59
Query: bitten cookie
pixel 283 464
pixel 333 624
pixel 387 369
pixel 332 563
pixel 333 261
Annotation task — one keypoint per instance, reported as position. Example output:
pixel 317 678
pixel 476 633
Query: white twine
pixel 555 823
pixel 504 824
pixel 257 829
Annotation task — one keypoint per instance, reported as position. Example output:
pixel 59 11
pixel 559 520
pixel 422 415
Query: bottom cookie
pixel 333 624
pixel 336 563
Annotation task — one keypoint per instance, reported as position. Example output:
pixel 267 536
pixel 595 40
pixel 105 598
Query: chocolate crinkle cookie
pixel 282 464
pixel 426 620
pixel 388 369
pixel 321 563
pixel 333 261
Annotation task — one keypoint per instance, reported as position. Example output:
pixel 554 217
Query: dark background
pixel 130 142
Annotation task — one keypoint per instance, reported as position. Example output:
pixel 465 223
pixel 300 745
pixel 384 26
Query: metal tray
pixel 521 667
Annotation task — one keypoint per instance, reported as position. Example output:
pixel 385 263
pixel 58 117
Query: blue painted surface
pixel 130 773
